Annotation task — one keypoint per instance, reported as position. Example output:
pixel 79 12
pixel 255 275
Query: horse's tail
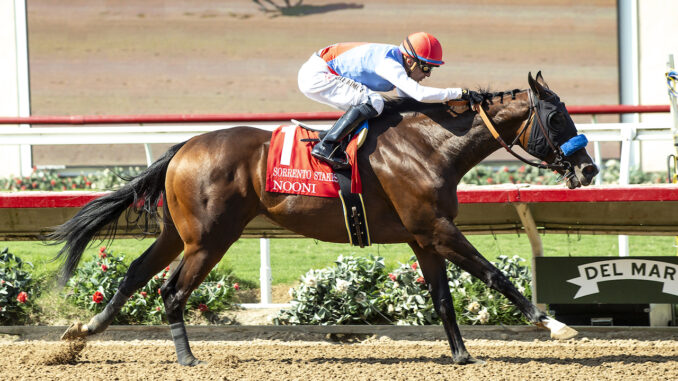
pixel 99 218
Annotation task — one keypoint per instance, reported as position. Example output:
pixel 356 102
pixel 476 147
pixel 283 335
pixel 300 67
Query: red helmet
pixel 426 48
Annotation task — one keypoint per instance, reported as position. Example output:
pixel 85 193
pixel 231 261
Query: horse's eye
pixel 556 120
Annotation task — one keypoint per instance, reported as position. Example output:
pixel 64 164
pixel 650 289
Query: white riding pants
pixel 317 82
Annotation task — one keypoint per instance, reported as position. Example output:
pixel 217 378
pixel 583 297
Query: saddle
pixel 301 173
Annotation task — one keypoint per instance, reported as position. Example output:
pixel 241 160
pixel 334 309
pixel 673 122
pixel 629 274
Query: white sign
pixel 625 269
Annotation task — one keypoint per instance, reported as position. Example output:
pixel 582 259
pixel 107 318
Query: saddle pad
pixel 291 168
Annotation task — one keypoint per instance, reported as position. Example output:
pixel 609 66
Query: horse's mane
pixel 399 105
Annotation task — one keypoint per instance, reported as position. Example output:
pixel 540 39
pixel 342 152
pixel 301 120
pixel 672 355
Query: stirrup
pixel 335 163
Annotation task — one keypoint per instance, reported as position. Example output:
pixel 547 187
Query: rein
pixel 559 162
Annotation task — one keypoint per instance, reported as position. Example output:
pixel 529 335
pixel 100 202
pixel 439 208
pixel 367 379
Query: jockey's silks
pixel 358 60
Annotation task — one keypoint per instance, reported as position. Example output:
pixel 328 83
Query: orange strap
pixel 479 109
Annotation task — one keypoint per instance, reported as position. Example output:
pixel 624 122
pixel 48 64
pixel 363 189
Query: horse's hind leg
pixel 433 267
pixel 197 262
pixel 160 254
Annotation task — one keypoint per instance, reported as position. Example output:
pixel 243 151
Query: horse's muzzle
pixel 583 175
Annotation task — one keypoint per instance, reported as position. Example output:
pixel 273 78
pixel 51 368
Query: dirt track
pixel 379 359
pixel 642 355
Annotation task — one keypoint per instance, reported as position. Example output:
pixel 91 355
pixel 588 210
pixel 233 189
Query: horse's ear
pixel 541 81
pixel 536 85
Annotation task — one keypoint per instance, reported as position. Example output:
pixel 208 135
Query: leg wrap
pixel 102 320
pixel 184 354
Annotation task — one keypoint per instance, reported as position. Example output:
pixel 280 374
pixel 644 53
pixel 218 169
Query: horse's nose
pixel 589 171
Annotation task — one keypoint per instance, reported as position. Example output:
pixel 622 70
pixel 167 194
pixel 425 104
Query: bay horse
pixel 414 156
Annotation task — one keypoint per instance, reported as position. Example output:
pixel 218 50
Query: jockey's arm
pixel 395 73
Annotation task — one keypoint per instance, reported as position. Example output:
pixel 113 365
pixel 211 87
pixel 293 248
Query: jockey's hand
pixel 473 97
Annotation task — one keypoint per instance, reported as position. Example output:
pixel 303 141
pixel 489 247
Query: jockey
pixel 348 75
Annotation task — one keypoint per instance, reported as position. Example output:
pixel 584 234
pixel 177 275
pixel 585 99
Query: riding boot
pixel 329 148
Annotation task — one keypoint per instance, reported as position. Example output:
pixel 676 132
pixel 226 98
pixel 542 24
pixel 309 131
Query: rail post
pixel 265 276
pixel 670 81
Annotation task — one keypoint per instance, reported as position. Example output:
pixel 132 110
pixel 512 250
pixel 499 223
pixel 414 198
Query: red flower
pixel 53 182
pixel 35 168
pixel 18 181
pixel 143 294
pixel 421 280
pixel 414 266
pixel 203 307
pixel 74 185
pixel 158 308
pixel 34 184
pixel 102 249
pixel 98 297
pixel 23 187
pixel 236 286
pixel 22 297
pixel 158 291
pixel 505 169
pixel 63 187
pixel 521 169
pixel 490 180
pixel 393 277
pixel 88 184
pixel 104 268
pixel 167 268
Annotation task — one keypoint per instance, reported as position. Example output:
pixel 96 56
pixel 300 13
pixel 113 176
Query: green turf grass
pixel 291 258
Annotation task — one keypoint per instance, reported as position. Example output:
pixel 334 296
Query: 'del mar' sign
pixel 619 280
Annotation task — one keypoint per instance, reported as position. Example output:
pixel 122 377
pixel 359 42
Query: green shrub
pixel 95 282
pixel 51 180
pixel 18 289
pixel 525 174
pixel 337 295
pixel 346 293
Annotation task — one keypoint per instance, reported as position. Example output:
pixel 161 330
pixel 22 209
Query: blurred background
pixel 112 57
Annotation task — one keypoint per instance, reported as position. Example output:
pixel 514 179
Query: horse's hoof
pixel 559 331
pixel 468 360
pixel 564 333
pixel 77 330
pixel 192 362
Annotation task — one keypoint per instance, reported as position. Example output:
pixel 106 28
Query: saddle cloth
pixel 291 168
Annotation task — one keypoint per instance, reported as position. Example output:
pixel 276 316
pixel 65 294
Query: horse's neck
pixel 469 149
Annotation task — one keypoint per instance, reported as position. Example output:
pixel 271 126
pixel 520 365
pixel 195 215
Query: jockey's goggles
pixel 425 68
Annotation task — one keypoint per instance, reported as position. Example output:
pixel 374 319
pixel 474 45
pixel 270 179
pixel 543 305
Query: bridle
pixel 523 136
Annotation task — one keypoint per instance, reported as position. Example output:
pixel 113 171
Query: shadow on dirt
pixel 447 360
pixel 589 361
pixel 300 9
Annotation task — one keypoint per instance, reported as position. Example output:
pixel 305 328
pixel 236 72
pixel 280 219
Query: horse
pixel 415 154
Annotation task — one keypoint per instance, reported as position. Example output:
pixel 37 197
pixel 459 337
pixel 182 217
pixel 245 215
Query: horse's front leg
pixel 433 267
pixel 454 246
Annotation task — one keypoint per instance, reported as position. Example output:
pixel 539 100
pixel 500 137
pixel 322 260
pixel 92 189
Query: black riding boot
pixel 329 148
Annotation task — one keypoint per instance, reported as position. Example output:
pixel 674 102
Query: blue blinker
pixel 574 144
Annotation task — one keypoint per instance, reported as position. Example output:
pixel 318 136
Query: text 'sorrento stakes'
pixel 291 168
